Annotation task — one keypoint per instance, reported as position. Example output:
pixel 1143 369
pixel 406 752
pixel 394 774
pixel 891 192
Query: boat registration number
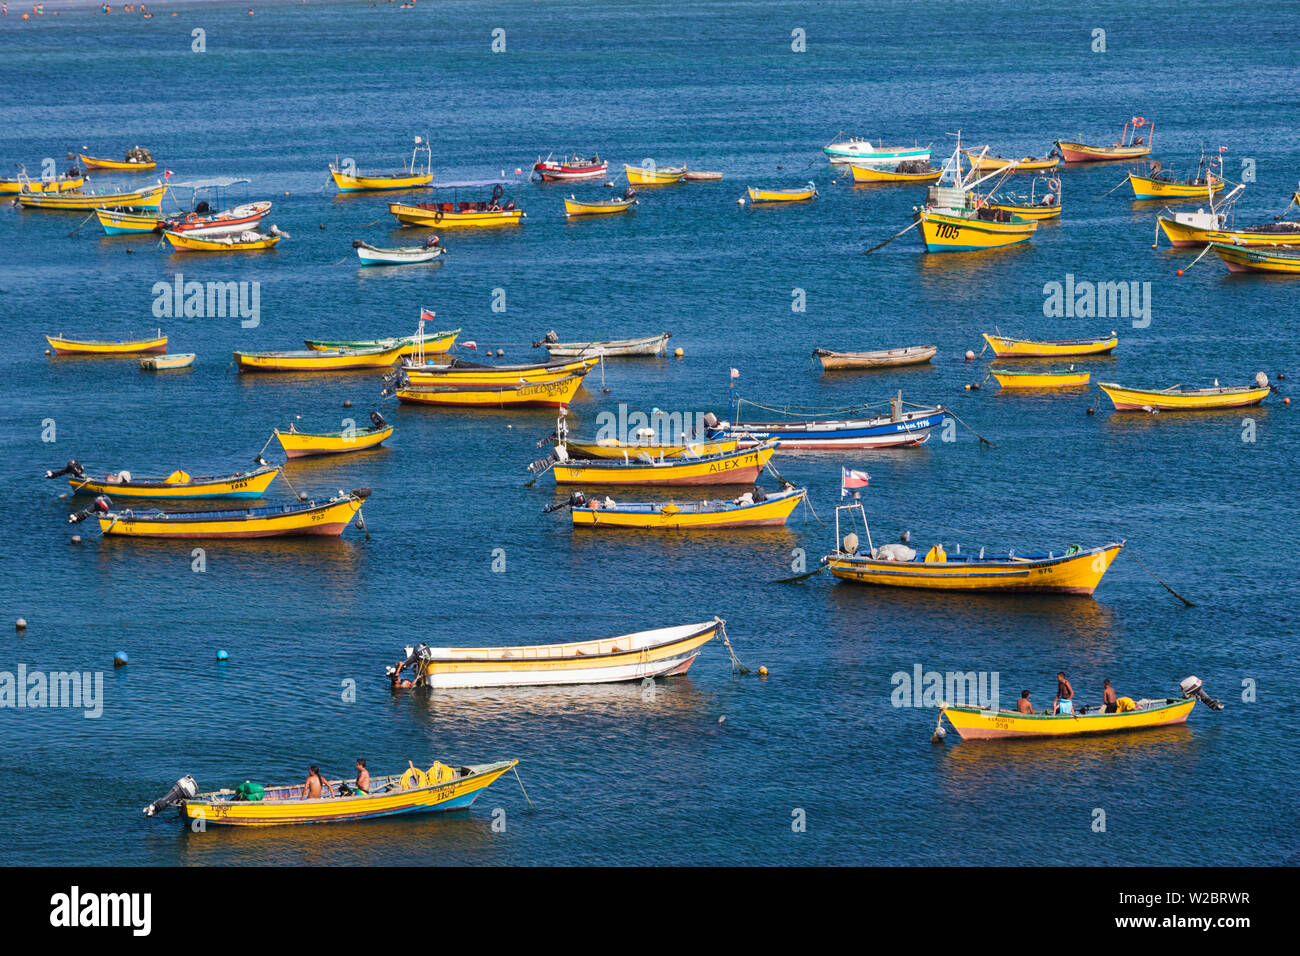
pixel 947 230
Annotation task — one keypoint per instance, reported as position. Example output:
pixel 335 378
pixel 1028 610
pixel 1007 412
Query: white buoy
pixel 740 201
pixel 20 624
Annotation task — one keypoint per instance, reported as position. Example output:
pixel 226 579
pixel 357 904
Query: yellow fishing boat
pixel 306 518
pixel 1258 259
pixel 602 207
pixel 179 484
pixel 1055 378
pixel 750 510
pixel 662 652
pixel 438 789
pixel 652 175
pixel 250 241
pixel 727 468
pixel 1130 145
pixel 149 198
pixel 128 219
pixel 799 194
pixel 478 213
pixel 461 372
pixel 1160 184
pixel 409 177
pixel 1190 229
pixel 318 360
pixel 1004 347
pixel 1031 205
pixel 1073 570
pixel 982 229
pixel 914 171
pixel 22 184
pixel 1029 164
pixel 1284 234
pixel 556 393
pixel 435 343
pixel 1178 399
pixel 143 164
pixel 62 345
pixel 298 444
pixel 613 448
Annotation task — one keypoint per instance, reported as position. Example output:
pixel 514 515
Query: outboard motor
pixel 1191 687
pixel 73 467
pixel 576 500
pixel 711 424
pixel 759 494
pixel 378 420
pixel 357 243
pixel 183 789
pixel 102 504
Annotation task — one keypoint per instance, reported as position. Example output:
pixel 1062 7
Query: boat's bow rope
pixel 736 665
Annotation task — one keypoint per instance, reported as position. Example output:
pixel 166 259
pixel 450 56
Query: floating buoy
pixel 762 672
pixel 779 166
pixel 975 387
pixel 970 355
pixel 678 352
pixel 120 659
pixel 1090 411
pixel 47 351
pixel 518 171
pixel 1286 401
pixel 20 624
pixel 286 192
pixel 76 539
pixel 1180 271
pixel 722 719
pixel 222 655
pixel 347 403
pixel 501 353
pixel 322 225
pixel 740 201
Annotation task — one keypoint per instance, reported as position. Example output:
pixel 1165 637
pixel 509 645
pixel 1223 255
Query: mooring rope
pixel 736 665
pixel 1161 583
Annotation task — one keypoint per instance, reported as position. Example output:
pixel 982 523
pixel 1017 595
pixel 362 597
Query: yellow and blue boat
pixel 327 518
pixel 149 198
pixel 440 788
pixel 23 184
pixel 1241 258
pixel 179 484
pixel 957 219
pixel 126 220
pixel 1005 347
pixel 1160 183
pixel 797 194
pixel 750 510
pixel 913 171
pixel 435 343
pixel 141 162
pixel 298 444
pixel 409 177
pixel 461 372
pixel 318 360
pixel 613 448
pixel 1029 164
pixel 1049 378
pixel 477 213
pixel 741 467
pixel 553 393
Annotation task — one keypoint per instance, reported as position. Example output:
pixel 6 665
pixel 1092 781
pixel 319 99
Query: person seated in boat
pixel 1108 697
pixel 312 789
pixel 363 777
pixel 1064 702
pixel 1023 705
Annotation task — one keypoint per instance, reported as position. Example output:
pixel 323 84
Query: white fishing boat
pixel 862 152
pixel 612 348
pixel 661 652
pixel 397 256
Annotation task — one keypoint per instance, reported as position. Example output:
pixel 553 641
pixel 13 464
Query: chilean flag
pixel 426 315
pixel 851 478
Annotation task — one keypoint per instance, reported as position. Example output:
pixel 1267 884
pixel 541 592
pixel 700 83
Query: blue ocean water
pixel 713 769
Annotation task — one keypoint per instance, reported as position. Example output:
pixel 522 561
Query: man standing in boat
pixel 1064 702
pixel 1108 697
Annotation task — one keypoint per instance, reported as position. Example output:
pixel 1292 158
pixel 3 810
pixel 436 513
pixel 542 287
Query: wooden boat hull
pixel 83 202
pixel 117 165
pixel 1083 153
pixel 614 348
pixel 1254 238
pixel 284 806
pixel 226 223
pixel 947 233
pixel 401 256
pixel 187 243
pixel 1145 187
pixel 1026 380
pixel 1030 164
pixel 873 176
pixel 553 394
pixel 409 215
pixel 886 358
pixel 780 195
pixel 435 343
pixel 620 451
pixel 116 222
pixel 629 657
pixel 609 207
pixel 552 172
pixel 250 485
pixel 861 152
pixel 1248 259
pixel 307 444
pixel 1040 213
pixel 328 519
pixel 163 363
pixel 975 723
pixel 316 360
pixel 741 467
pixel 1079 573
pixel 350 184
pixel 691 516
pixel 64 184
pixel 913 428
pixel 501 375
pixel 1004 347
pixel 662 176
pixel 1140 399
pixel 700 176
pixel 1183 234
pixel 63 346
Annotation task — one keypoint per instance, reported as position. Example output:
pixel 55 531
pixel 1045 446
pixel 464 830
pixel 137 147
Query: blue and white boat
pixel 900 426
pixel 861 152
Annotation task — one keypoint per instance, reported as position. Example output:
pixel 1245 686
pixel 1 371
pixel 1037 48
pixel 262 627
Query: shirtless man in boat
pixel 311 790
pixel 1023 705
pixel 363 776
pixel 1064 702
pixel 1108 697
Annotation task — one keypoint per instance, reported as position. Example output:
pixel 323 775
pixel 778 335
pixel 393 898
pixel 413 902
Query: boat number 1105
pixel 948 231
